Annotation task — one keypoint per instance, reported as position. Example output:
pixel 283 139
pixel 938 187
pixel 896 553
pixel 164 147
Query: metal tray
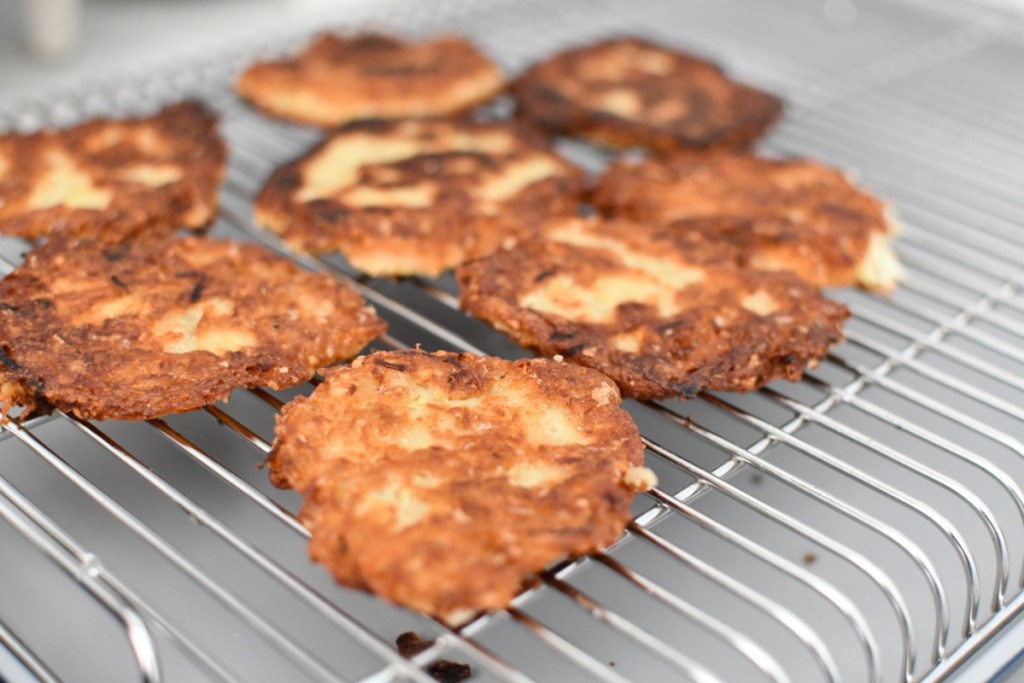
pixel 866 523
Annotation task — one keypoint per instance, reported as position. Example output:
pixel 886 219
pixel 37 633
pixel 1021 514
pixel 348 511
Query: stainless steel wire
pixel 35 665
pixel 586 662
pixel 310 662
pixel 951 532
pixel 87 570
pixel 649 641
pixel 979 506
pixel 825 590
pixel 880 578
pixel 749 649
pixel 779 613
pixel 919 556
pixel 932 307
pixel 975 460
pixel 920 398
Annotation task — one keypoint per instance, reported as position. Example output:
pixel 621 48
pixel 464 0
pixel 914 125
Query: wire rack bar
pixel 24 654
pixel 326 607
pixel 958 165
pixel 928 258
pixel 559 644
pixel 936 406
pixel 950 531
pixel 312 664
pixel 981 304
pixel 84 568
pixel 905 359
pixel 929 342
pixel 936 51
pixel 980 508
pixel 760 658
pixel 240 429
pixel 955 116
pixel 895 536
pixel 88 569
pixel 862 563
pixel 785 617
pixel 982 636
pixel 822 588
pixel 859 516
pixel 646 639
pixel 989 279
pixel 1005 481
pixel 940 239
pixel 233 480
pixel 91 568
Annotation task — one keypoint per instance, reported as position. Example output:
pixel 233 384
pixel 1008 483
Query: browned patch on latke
pixel 442 481
pixel 147 328
pixel 418 197
pixel 663 314
pixel 336 80
pixel 794 214
pixel 157 174
pixel 627 92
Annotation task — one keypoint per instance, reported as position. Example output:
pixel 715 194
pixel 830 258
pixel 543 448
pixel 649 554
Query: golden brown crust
pixel 794 214
pixel 146 328
pixel 418 197
pixel 664 314
pixel 442 481
pixel 336 80
pixel 156 174
pixel 627 92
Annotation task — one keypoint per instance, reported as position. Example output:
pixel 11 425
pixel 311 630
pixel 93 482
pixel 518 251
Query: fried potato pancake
pixel 337 80
pixel 157 174
pixel 628 92
pixel 441 481
pixel 794 215
pixel 142 329
pixel 661 313
pixel 418 197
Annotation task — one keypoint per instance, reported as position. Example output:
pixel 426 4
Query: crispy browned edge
pixel 752 356
pixel 210 377
pixel 450 591
pixel 633 191
pixel 544 106
pixel 322 225
pixel 295 63
pixel 156 210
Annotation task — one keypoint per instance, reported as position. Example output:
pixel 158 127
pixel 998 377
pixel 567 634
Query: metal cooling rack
pixel 866 523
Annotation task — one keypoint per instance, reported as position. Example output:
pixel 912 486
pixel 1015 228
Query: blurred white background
pixel 112 36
